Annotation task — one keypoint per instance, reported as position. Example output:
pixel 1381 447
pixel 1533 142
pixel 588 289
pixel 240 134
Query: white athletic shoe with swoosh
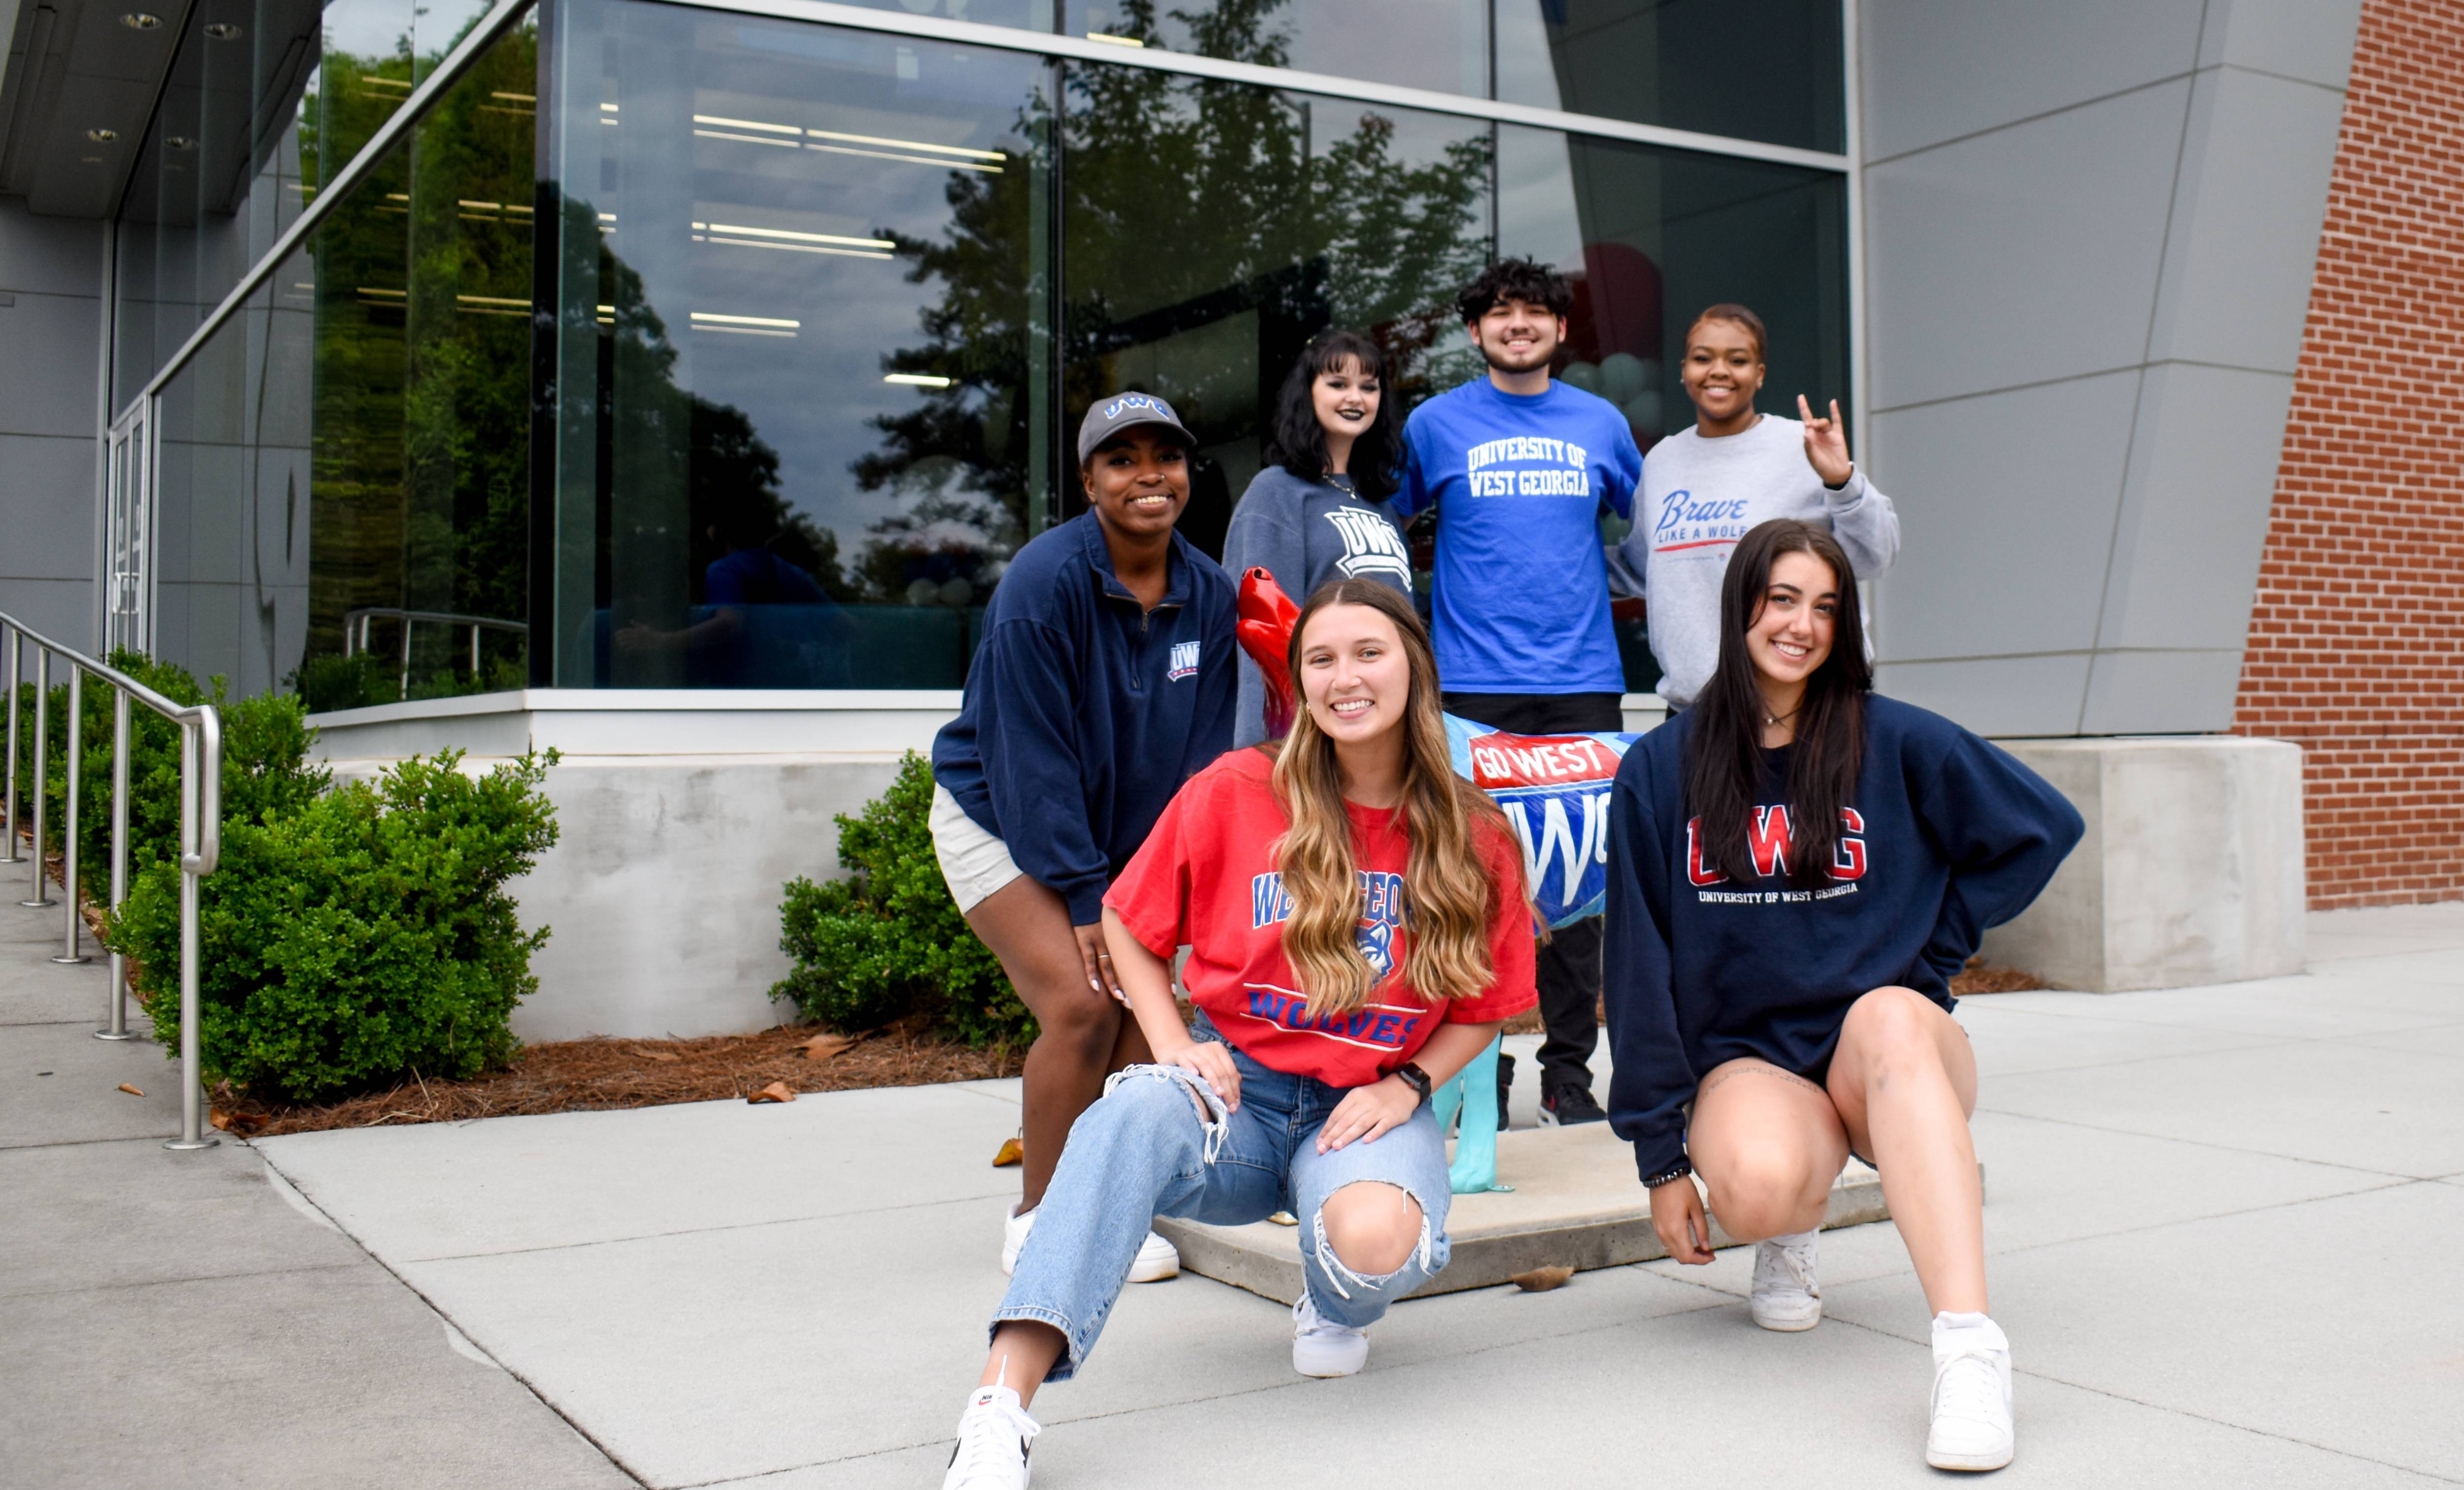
pixel 1157 1261
pixel 995 1434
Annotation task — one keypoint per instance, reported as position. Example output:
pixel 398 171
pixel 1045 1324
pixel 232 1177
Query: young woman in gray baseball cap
pixel 1104 680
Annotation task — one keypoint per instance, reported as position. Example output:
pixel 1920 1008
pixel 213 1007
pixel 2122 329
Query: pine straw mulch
pixel 592 1076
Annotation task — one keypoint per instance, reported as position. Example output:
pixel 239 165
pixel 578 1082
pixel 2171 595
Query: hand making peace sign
pixel 1826 444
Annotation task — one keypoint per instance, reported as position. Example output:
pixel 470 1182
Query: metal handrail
pixel 355 625
pixel 201 829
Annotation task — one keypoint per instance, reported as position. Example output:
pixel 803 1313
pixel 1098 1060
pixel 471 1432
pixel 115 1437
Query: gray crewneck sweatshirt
pixel 1699 497
pixel 1305 533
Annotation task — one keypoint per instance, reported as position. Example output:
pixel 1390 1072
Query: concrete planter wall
pixel 2190 872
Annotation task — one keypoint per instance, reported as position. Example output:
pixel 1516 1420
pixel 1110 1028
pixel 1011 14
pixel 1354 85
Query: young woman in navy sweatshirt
pixel 1104 681
pixel 1797 868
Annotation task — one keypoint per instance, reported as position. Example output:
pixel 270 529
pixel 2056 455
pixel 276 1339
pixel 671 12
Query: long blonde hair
pixel 1448 896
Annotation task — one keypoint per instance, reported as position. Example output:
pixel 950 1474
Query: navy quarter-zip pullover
pixel 1085 712
pixel 1946 835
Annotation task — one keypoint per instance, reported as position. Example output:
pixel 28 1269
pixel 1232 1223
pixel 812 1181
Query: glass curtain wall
pixel 357 437
pixel 793 370
pixel 799 420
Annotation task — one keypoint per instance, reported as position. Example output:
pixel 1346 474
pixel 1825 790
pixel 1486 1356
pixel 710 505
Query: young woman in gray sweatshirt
pixel 1703 488
pixel 1317 512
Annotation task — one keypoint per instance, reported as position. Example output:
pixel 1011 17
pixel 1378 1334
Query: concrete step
pixel 1575 1203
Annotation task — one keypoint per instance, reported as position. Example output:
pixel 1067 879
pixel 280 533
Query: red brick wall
pixel 2356 645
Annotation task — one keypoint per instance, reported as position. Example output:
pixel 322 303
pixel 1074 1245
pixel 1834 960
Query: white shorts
pixel 972 861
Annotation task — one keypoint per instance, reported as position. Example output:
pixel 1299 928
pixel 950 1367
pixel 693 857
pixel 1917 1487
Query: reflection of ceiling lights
pixel 223 31
pixel 744 325
pixel 515 98
pixel 142 20
pixel 181 142
pixel 386 82
pixel 917 379
pixel 491 305
pixel 1118 41
pixel 102 136
pixel 909 145
pixel 739 235
pixel 960 157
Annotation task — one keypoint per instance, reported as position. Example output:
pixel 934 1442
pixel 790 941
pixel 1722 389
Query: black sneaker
pixel 1566 1104
pixel 1505 1084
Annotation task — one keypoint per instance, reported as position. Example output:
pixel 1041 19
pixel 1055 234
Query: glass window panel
pixel 231 520
pixel 225 169
pixel 797 433
pixel 1212 228
pixel 1650 237
pixel 1442 45
pixel 1769 69
pixel 1031 14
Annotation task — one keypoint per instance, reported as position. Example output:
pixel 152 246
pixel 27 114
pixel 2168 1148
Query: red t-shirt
pixel 1205 879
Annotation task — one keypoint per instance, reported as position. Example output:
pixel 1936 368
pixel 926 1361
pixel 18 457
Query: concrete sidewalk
pixel 185 1317
pixel 2222 1222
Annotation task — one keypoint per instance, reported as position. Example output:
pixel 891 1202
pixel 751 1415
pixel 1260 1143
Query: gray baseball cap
pixel 1110 417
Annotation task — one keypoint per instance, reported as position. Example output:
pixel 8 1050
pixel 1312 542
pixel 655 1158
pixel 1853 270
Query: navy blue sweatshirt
pixel 1084 713
pixel 1946 835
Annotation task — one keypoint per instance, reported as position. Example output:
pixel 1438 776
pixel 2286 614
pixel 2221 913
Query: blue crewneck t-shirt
pixel 1519 481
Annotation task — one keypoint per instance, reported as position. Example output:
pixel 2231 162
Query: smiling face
pixel 1138 481
pixel 1356 676
pixel 1517 336
pixel 1791 638
pixel 1723 370
pixel 1346 400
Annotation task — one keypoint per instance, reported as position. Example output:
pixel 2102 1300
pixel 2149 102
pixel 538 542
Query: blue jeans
pixel 1142 1152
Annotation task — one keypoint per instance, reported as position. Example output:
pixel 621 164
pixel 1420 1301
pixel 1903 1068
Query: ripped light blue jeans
pixel 1141 1151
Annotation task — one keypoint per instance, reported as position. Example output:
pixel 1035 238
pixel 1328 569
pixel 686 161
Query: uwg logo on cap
pixel 1554 791
pixel 1184 660
pixel 1120 406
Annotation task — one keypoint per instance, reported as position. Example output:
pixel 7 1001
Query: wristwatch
pixel 1415 1078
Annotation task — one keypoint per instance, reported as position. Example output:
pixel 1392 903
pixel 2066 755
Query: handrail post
pixel 406 657
pixel 192 1134
pixel 474 650
pixel 116 1012
pixel 8 790
pixel 69 952
pixel 42 764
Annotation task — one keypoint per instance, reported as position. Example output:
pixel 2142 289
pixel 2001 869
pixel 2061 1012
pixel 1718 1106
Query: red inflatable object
pixel 1267 616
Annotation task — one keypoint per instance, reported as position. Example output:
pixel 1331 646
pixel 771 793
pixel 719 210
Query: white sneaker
pixel 1014 1237
pixel 1322 1347
pixel 1971 1394
pixel 1786 1296
pixel 993 1437
pixel 1156 1259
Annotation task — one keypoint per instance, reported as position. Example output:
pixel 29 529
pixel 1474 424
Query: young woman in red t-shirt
pixel 1358 929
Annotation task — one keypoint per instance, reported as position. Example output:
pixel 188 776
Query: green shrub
pixel 888 940
pixel 265 766
pixel 359 937
pixel 331 682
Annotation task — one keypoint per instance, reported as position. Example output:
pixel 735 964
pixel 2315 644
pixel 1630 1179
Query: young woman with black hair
pixel 1733 468
pixel 1797 868
pixel 1104 680
pixel 1318 512
pixel 1358 929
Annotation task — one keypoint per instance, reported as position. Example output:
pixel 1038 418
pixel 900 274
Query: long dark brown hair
pixel 1723 752
pixel 1447 893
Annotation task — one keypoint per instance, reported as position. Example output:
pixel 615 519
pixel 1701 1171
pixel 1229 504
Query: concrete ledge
pixel 1575 1204
pixel 2190 872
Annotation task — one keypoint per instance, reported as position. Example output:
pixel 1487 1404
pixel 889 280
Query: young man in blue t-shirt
pixel 1518 469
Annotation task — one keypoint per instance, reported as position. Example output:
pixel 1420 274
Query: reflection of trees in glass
pixel 420 474
pixel 1186 204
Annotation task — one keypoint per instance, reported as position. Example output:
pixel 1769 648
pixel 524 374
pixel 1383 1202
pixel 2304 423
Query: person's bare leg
pixel 1084 1037
pixel 1021 1355
pixel 1905 1081
pixel 1768 1144
pixel 1374 1227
